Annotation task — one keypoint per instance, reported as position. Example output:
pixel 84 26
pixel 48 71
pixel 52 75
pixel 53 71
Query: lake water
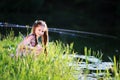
pixel 108 45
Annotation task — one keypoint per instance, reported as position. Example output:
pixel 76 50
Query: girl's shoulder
pixel 29 37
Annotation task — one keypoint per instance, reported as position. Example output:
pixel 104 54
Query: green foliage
pixel 116 70
pixel 113 72
pixel 90 52
pixel 51 67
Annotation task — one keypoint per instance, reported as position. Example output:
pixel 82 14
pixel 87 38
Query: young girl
pixel 30 43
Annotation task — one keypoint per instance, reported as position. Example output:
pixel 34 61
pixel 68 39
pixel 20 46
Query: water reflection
pixel 107 44
pixel 97 68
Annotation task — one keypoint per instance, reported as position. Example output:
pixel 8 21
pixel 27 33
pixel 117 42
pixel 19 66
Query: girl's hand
pixel 38 50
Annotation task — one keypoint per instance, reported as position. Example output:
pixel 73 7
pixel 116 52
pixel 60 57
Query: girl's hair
pixel 44 37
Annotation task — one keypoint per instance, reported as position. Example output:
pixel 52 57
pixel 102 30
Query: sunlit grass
pixel 54 66
pixel 51 67
pixel 112 73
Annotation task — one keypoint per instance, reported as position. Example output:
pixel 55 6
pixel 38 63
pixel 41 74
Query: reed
pixel 52 67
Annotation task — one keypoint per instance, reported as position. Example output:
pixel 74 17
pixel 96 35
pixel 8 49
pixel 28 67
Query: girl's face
pixel 39 31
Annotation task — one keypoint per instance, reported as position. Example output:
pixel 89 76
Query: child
pixel 30 43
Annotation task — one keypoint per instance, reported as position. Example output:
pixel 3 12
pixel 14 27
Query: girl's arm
pixel 26 42
pixel 24 45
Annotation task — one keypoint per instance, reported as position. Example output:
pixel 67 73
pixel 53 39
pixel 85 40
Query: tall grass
pixel 112 73
pixel 55 66
pixel 52 67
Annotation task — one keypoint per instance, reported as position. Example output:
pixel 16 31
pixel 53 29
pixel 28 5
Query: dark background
pixel 101 16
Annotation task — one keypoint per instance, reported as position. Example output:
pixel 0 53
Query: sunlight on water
pixel 108 45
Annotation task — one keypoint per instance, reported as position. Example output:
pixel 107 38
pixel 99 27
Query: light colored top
pixel 27 45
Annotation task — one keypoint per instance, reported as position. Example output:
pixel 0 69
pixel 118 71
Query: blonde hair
pixel 44 37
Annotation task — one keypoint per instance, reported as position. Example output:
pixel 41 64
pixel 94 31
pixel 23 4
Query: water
pixel 93 64
pixel 106 44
